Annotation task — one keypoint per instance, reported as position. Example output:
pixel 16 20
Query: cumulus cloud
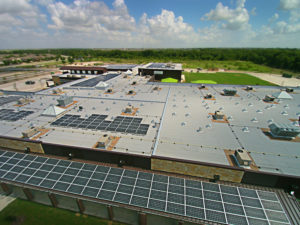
pixel 17 16
pixel 232 19
pixel 88 16
pixel 274 18
pixel 166 26
pixel 289 4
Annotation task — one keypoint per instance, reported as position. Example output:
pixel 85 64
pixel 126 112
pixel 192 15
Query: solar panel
pixel 98 122
pixel 94 81
pixel 158 192
pixel 8 99
pixel 11 116
pixel 139 201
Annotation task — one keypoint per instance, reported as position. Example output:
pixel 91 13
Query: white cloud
pixel 289 4
pixel 274 18
pixel 232 19
pixel 167 27
pixel 19 14
pixel 88 16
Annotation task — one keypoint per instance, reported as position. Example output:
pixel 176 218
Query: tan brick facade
pixel 196 170
pixel 21 145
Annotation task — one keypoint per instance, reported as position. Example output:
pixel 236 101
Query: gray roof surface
pixel 181 126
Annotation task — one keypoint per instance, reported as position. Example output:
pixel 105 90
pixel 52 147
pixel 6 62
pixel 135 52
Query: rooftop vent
pixel 269 98
pixel 254 120
pixel 57 91
pixel 109 90
pixel 229 92
pixel 130 92
pixel 133 83
pixel 202 86
pixel 245 129
pixel 243 157
pixel 284 131
pixel 208 125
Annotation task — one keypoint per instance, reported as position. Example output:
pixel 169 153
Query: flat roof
pixel 162 66
pixel 178 118
pixel 120 66
pixel 95 68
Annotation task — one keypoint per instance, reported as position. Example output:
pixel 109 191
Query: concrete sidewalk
pixel 5 201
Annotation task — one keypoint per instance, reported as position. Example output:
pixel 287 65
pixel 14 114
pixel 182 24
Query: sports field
pixel 21 212
pixel 169 80
pixel 225 78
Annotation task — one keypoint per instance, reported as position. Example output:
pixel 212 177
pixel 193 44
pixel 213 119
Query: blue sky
pixel 149 23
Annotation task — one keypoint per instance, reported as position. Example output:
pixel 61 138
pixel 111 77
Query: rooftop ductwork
pixel 284 131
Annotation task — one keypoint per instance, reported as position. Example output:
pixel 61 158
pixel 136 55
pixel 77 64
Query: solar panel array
pixel 196 199
pixel 121 67
pixel 123 124
pixel 160 66
pixel 8 99
pixel 11 115
pixel 94 81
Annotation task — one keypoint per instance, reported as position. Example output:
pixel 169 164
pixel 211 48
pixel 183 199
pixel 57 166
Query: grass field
pixel 21 212
pixel 169 80
pixel 225 78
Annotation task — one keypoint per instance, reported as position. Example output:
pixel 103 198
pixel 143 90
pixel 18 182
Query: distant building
pixel 93 70
pixel 161 70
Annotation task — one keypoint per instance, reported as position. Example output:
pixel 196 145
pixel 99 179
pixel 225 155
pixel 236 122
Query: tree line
pixel 288 59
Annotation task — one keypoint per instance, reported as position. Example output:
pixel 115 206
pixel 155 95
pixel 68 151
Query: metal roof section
pixel 179 119
pixel 211 202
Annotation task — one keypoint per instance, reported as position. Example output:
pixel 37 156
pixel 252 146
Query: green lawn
pixel 21 212
pixel 169 80
pixel 225 78
pixel 203 82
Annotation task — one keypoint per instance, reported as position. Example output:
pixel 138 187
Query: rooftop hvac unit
pixel 269 98
pixel 128 109
pixel 219 115
pixel 134 83
pixel 243 157
pixel 202 86
pixel 284 131
pixel 30 132
pixel 109 90
pixel 130 92
pixel 229 92
pixel 65 100
pixel 103 142
pixel 208 96
pixel 249 88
